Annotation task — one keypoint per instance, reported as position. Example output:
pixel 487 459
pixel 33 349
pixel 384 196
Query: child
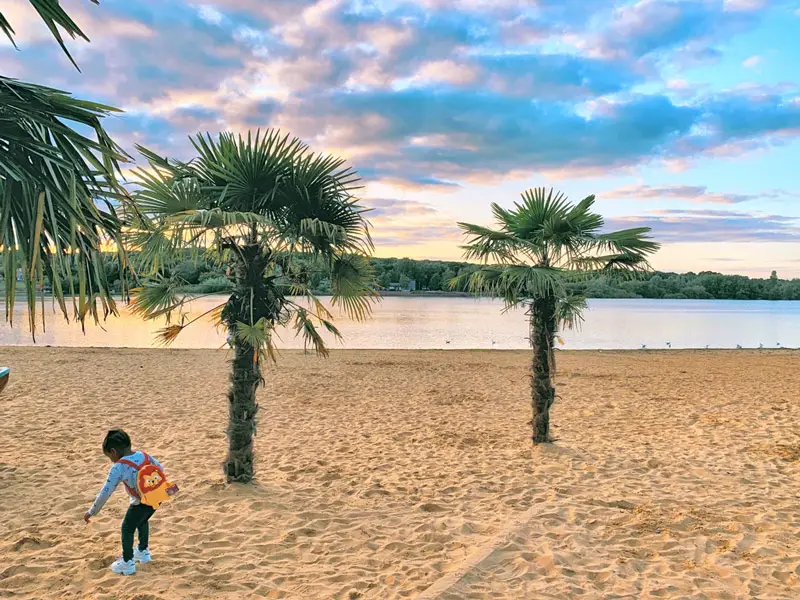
pixel 127 467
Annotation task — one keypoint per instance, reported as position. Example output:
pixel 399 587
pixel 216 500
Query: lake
pixel 466 323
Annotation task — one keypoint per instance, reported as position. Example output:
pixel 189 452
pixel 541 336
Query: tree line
pixel 202 276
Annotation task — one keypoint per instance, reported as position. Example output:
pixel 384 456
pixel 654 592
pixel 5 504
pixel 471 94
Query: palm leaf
pixel 51 179
pixel 55 18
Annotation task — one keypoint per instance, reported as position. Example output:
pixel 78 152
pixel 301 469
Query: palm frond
pixel 55 190
pixel 352 284
pixel 158 298
pixel 54 17
pixel 515 284
pixel 304 325
pixel 258 336
pixel 569 312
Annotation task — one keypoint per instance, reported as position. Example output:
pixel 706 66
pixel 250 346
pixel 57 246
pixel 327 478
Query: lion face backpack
pixel 152 487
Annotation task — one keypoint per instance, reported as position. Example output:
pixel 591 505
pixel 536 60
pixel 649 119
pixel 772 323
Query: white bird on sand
pixel 761 346
pixel 738 347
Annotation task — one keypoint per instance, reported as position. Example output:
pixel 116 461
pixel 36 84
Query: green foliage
pixel 262 213
pixel 56 187
pixel 545 243
pixel 433 276
pixel 187 271
pixel 54 17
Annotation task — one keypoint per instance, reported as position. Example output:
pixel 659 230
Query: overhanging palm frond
pixel 54 17
pixel 55 185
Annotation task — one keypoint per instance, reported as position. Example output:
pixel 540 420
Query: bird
pixel 706 346
pixel 644 346
pixel 778 344
pixel 761 346
pixel 669 344
pixel 738 347
pixel 447 341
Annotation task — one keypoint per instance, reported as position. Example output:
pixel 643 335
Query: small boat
pixel 4 374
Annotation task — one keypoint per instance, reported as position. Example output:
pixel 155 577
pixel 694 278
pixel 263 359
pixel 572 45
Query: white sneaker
pixel 121 567
pixel 141 556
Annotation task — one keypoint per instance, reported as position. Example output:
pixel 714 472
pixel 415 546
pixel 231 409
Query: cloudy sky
pixel 681 115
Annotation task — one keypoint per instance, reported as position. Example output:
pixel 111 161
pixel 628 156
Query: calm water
pixel 467 323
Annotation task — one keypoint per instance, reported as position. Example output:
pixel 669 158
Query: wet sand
pixel 382 474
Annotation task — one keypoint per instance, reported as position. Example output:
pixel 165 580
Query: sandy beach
pixel 385 474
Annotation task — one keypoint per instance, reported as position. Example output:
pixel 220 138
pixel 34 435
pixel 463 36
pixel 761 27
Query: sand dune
pixel 676 475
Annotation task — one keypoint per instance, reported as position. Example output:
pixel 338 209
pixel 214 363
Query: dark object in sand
pixel 5 372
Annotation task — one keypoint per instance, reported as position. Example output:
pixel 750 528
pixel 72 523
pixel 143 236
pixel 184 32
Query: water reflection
pixel 430 323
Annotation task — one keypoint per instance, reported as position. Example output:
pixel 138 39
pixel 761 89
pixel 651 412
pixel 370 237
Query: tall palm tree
pixel 56 188
pixel 540 245
pixel 271 211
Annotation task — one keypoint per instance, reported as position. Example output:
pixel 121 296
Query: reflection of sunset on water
pixel 403 322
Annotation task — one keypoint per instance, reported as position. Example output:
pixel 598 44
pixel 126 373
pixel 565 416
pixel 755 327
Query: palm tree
pixel 272 212
pixel 540 245
pixel 56 187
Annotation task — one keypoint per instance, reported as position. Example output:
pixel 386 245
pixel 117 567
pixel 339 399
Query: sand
pixel 385 474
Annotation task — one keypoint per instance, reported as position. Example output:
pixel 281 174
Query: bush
pixel 206 275
pixel 211 286
pixel 187 271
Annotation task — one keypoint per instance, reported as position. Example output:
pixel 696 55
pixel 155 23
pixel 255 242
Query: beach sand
pixel 380 474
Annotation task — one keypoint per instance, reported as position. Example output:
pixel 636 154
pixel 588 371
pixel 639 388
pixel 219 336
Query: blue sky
pixel 682 115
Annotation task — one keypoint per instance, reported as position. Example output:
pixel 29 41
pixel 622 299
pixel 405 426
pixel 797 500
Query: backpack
pixel 152 487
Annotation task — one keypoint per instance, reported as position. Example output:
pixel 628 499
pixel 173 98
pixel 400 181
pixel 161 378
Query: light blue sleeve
pixel 114 477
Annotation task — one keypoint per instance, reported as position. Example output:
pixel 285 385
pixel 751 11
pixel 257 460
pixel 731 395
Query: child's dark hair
pixel 118 440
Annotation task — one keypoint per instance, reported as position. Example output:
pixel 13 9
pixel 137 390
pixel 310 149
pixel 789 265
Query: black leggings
pixel 136 519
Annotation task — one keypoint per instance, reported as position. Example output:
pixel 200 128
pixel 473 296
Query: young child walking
pixel 144 479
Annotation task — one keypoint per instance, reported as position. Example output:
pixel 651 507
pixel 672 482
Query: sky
pixel 679 115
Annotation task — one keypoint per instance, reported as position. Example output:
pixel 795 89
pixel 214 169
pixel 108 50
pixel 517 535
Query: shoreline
pixel 310 354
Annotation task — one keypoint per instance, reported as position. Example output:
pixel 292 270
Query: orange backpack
pixel 152 487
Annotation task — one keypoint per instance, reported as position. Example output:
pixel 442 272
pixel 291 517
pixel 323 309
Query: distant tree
pixel 538 247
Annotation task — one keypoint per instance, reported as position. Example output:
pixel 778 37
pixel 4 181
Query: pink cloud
pixel 752 62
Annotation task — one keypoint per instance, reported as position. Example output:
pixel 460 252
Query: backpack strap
pixel 130 463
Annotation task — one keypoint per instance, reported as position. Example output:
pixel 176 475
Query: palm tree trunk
pixel 242 409
pixel 542 334
pixel 248 264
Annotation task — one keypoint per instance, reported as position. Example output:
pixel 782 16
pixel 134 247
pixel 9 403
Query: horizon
pixel 681 116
